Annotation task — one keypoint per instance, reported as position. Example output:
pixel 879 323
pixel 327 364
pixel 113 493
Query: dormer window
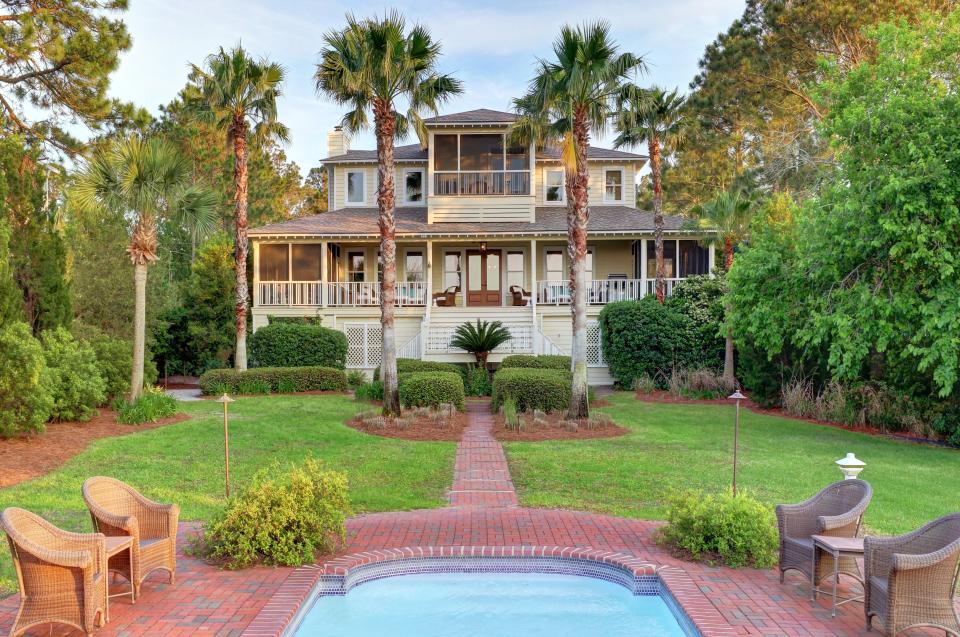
pixel 554 182
pixel 479 164
pixel 613 185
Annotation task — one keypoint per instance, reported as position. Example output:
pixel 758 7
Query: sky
pixel 490 45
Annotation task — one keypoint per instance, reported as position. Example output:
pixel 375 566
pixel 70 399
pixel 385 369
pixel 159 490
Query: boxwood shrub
pixel 298 345
pixel 536 362
pixel 276 378
pixel 432 389
pixel 409 365
pixel 543 389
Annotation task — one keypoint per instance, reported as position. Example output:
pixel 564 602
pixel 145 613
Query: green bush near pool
pixel 432 389
pixel 543 389
pixel 273 379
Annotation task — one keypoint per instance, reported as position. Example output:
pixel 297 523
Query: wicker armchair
pixel 447 298
pixel 911 579
pixel 62 575
pixel 118 509
pixel 837 510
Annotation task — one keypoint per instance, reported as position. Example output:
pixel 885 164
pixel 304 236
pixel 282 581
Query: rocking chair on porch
pixel 447 298
pixel 520 296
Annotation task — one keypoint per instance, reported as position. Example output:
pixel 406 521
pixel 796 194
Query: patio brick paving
pixel 483 512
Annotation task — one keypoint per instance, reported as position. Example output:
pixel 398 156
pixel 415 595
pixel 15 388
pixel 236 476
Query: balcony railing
pixel 339 294
pixel 481 182
pixel 600 292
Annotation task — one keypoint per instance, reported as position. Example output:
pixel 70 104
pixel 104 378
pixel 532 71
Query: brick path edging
pixel 293 595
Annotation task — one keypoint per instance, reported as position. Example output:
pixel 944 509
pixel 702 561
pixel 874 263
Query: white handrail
pixel 353 294
pixel 290 293
pixel 599 291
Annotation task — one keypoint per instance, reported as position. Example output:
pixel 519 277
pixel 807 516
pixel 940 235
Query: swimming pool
pixel 491 604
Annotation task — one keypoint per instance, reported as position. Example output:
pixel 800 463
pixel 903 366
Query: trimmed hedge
pixel 543 389
pixel 277 378
pixel 432 389
pixel 536 362
pixel 411 365
pixel 298 345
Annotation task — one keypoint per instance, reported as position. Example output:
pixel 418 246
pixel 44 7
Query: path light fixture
pixel 737 396
pixel 226 400
pixel 850 466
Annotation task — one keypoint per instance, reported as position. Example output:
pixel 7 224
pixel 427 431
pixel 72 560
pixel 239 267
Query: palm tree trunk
pixel 661 273
pixel 139 329
pixel 240 250
pixel 578 214
pixel 386 128
pixel 728 369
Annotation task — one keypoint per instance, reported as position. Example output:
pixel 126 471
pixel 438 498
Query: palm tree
pixel 143 179
pixel 480 339
pixel 728 215
pixel 567 98
pixel 239 95
pixel 370 65
pixel 655 117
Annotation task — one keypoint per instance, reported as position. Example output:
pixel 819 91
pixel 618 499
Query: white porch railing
pixel 293 293
pixel 671 283
pixel 412 348
pixel 439 337
pixel 481 182
pixel 411 293
pixel 599 292
pixel 353 294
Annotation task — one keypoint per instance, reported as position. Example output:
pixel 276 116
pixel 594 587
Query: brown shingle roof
pixel 593 152
pixel 412 222
pixel 414 152
pixel 478 116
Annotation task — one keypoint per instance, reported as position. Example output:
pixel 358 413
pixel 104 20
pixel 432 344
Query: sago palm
pixel 728 216
pixel 568 98
pixel 480 339
pixel 239 95
pixel 143 180
pixel 655 117
pixel 370 65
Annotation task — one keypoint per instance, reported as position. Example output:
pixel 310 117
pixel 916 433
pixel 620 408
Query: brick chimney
pixel 337 142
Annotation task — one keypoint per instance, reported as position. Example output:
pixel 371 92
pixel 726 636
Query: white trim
pixel 423 186
pixel 423 255
pixel 563 186
pixel 346 187
pixel 623 183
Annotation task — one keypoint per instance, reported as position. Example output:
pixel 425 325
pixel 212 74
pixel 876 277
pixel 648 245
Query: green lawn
pixel 183 463
pixel 676 446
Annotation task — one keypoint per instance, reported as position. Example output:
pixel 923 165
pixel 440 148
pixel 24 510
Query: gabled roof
pixel 416 153
pixel 412 222
pixel 552 153
pixel 478 116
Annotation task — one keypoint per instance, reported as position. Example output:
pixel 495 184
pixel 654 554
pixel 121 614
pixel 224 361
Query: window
pixel 445 152
pixel 413 186
pixel 355 187
pixel 518 158
pixel 451 270
pixel 274 262
pixel 413 266
pixel 588 265
pixel 481 152
pixel 554 265
pixel 515 269
pixel 306 261
pixel 356 269
pixel 669 258
pixel 554 180
pixel 613 184
pixel 694 258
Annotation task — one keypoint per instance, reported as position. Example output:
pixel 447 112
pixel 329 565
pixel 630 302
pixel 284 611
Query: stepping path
pixel 481 477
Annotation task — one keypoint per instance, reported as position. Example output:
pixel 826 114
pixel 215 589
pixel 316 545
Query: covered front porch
pixel 465 273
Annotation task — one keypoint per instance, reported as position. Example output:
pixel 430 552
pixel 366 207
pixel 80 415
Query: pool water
pixel 490 605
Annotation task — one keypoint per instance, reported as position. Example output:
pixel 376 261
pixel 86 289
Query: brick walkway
pixel 483 512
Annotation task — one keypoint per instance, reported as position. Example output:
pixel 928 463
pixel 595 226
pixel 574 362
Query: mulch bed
pixel 423 428
pixel 554 428
pixel 26 457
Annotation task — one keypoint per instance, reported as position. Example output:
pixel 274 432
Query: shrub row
pixel 282 520
pixel 273 379
pixel 298 345
pixel 536 362
pixel 411 365
pixel 432 389
pixel 543 389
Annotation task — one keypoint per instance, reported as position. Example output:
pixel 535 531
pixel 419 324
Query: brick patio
pixel 482 512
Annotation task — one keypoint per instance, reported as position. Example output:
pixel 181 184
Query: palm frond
pixel 480 337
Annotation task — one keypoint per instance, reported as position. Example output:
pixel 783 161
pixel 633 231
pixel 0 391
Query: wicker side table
pixel 837 548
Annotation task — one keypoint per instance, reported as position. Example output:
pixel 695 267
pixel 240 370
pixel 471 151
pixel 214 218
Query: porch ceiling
pixel 412 223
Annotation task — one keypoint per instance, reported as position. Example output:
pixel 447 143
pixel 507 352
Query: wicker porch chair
pixel 62 575
pixel 838 511
pixel 118 509
pixel 911 579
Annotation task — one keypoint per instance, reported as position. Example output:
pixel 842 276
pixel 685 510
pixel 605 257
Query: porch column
pixel 323 273
pixel 533 292
pixel 256 273
pixel 428 301
pixel 643 268
pixel 711 258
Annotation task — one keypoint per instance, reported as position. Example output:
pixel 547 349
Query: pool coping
pixel 286 606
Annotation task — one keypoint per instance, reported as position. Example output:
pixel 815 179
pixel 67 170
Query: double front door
pixel 483 277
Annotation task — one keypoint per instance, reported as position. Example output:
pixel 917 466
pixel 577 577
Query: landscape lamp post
pixel 850 466
pixel 737 396
pixel 226 400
